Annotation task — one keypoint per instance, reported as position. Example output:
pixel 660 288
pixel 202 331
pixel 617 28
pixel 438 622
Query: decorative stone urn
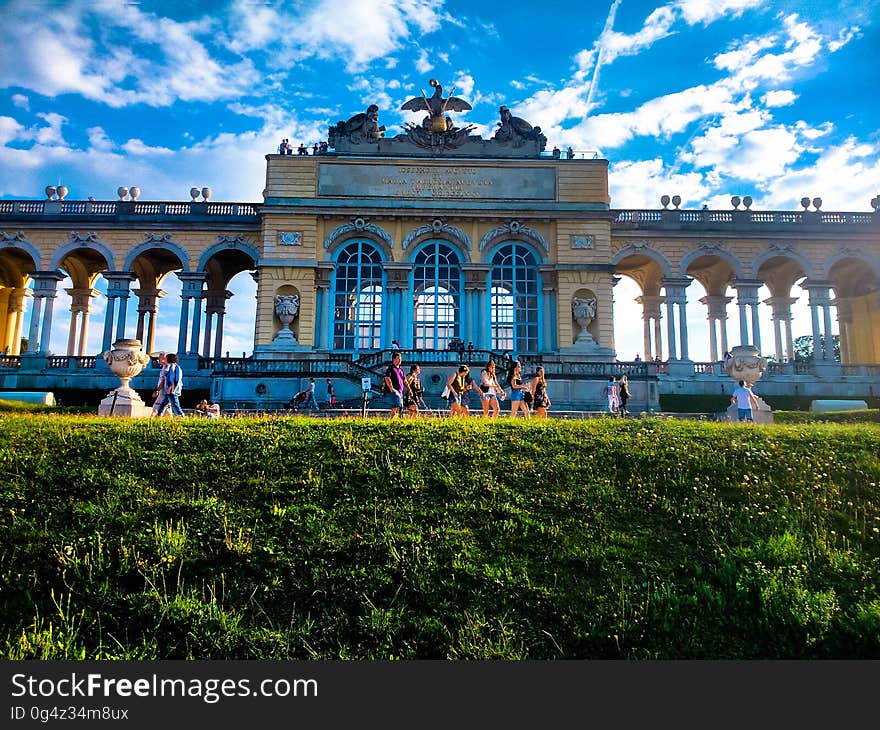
pixel 135 192
pixel 286 309
pixel 744 362
pixel 206 194
pixel 126 360
pixel 194 193
pixel 50 192
pixel 122 192
pixel 584 311
pixel 62 192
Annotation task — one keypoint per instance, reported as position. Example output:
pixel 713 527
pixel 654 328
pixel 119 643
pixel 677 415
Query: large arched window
pixel 437 289
pixel 513 297
pixel 357 298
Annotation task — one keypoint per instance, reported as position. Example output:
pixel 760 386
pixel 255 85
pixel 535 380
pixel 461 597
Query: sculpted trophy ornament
pixel 584 311
pixel 126 360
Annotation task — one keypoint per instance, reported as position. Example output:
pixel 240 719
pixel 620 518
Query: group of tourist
pixel 405 392
pixel 166 397
pixel 318 148
pixel 618 394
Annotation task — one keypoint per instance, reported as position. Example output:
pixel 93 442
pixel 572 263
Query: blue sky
pixel 776 100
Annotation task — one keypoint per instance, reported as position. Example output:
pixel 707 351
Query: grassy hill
pixel 302 538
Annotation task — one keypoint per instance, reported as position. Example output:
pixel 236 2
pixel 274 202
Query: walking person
pixel 413 396
pixel 517 389
pixel 612 391
pixel 456 387
pixel 540 397
pixel 160 402
pixel 311 400
pixel 623 394
pixel 492 391
pixel 395 384
pixel 174 384
pixel 745 401
pixel 331 394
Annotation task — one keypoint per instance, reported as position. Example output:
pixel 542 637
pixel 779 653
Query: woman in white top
pixel 491 391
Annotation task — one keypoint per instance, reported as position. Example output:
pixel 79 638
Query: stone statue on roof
pixel 360 129
pixel 516 131
pixel 437 106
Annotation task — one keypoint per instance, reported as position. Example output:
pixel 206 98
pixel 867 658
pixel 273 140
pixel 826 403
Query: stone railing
pixel 10 361
pixel 71 362
pixel 113 208
pixel 696 218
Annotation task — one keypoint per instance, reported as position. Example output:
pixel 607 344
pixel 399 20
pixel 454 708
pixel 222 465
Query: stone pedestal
pixel 124 403
pixel 126 360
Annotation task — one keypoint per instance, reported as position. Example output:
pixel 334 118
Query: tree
pixel 803 347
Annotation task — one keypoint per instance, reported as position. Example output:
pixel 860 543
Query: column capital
pixel 149 299
pixel 396 275
pixel 192 283
pixel 81 299
pixel 549 279
pixel 819 291
pixel 323 272
pixel 45 282
pixel 675 289
pixel 215 300
pixel 781 306
pixel 651 305
pixel 716 304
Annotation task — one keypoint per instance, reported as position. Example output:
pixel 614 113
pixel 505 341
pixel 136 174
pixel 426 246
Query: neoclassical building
pixel 429 238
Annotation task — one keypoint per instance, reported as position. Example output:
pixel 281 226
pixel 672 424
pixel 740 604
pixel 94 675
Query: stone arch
pixel 229 243
pixel 439 230
pixel 641 248
pixel 782 252
pixel 19 241
pixel 359 228
pixel 161 241
pixel 78 241
pixel 709 250
pixel 846 252
pixel 518 232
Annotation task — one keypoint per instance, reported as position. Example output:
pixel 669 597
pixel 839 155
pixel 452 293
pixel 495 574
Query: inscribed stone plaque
pixel 582 242
pixel 290 238
pixel 447 181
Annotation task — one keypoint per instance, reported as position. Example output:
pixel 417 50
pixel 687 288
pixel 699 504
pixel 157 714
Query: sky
pixel 706 100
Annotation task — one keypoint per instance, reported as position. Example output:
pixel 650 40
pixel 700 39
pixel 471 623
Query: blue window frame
pixel 437 286
pixel 357 297
pixel 514 296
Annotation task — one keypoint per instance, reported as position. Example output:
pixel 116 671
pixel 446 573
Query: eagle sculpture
pixel 437 106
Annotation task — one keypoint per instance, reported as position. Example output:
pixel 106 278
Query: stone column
pixel 675 295
pixel 651 316
pixel 45 283
pixel 747 296
pixel 214 310
pixel 474 286
pixel 844 323
pixel 7 324
pixel 192 283
pixel 781 308
pixel 716 313
pixel 549 289
pixel 118 290
pixel 396 286
pixel 17 307
pixel 80 305
pixel 820 298
pixel 324 305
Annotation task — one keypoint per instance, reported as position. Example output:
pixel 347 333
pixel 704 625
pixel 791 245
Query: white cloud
pixel 138 148
pixel 51 134
pixel 700 11
pixel 779 97
pixel 423 65
pixel 21 101
pixel 98 139
pixel 10 130
pixel 640 183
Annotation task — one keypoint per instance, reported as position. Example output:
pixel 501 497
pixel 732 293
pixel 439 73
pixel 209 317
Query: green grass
pixel 297 538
